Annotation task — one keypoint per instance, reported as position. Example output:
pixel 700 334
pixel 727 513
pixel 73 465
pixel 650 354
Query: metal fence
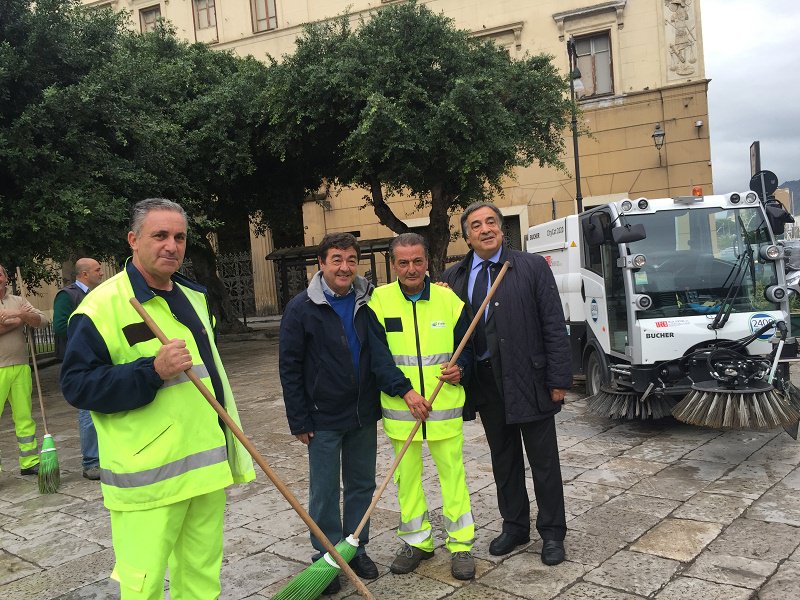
pixel 236 272
pixel 44 341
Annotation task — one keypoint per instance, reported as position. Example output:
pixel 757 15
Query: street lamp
pixel 575 76
pixel 658 140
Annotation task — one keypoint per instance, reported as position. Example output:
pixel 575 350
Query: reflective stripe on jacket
pixel 174 447
pixel 420 338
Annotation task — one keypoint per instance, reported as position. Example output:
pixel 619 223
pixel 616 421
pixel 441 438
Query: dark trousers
pixel 350 454
pixel 508 465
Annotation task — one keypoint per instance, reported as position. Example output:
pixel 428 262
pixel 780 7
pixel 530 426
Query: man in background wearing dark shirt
pixel 88 274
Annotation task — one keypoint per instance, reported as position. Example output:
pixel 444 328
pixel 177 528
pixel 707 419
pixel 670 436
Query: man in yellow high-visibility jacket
pixel 421 325
pixel 165 457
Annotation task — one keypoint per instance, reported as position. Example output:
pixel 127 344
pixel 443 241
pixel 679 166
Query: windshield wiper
pixel 738 271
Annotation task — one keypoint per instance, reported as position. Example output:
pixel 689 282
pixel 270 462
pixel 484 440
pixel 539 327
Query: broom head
pixel 49 474
pixel 310 583
pixel 758 407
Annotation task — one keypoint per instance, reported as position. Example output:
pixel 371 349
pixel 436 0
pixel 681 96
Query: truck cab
pixel 645 282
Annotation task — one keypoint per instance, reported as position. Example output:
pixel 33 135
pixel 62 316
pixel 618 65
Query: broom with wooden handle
pixel 321 573
pixel 49 472
pixel 223 414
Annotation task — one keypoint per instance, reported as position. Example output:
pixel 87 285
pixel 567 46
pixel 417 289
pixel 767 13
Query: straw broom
pixel 49 473
pixel 308 584
pixel 260 460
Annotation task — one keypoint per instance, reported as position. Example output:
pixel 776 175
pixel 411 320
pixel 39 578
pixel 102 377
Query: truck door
pixel 604 285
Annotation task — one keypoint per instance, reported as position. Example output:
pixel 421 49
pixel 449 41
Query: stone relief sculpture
pixel 680 29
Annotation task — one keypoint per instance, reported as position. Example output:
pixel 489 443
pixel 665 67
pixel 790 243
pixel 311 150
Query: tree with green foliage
pixel 107 117
pixel 407 103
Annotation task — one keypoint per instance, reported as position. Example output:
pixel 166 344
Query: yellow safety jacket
pixel 173 448
pixel 420 338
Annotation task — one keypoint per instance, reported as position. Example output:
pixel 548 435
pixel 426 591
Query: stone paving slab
pixel 784 584
pixel 590 591
pixel 750 479
pixel 678 539
pixel 712 507
pixel 733 570
pixel 655 510
pixel 634 572
pixel 780 504
pixel 772 542
pixel 684 588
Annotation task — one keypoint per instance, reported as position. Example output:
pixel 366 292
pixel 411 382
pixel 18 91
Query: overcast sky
pixel 751 53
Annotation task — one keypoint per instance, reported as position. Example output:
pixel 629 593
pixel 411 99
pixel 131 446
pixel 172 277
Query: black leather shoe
pixel 552 552
pixel 364 567
pixel 333 587
pixel 506 542
pixel 34 470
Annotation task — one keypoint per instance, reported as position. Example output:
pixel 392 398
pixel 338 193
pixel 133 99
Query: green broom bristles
pixel 309 583
pixel 49 474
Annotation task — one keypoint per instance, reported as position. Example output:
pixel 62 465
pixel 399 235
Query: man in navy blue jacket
pixel 331 396
pixel 521 377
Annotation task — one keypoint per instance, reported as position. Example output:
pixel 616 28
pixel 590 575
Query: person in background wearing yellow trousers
pixel 165 456
pixel 15 371
pixel 421 325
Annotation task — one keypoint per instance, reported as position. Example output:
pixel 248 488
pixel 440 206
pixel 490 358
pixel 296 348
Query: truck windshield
pixel 693 260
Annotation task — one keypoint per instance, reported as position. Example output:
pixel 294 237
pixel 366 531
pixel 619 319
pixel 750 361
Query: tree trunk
pixel 204 263
pixel 438 234
pixel 382 210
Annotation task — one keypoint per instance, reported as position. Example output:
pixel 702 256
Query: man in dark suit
pixel 520 380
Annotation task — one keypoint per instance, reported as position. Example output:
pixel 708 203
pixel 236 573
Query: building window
pixel 264 17
pixel 594 63
pixel 205 14
pixel 148 17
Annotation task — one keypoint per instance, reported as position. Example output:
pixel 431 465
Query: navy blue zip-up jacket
pixel 90 381
pixel 321 390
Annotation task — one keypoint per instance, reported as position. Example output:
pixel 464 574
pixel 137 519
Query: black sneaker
pixel 34 470
pixel 364 567
pixel 408 559
pixel 333 587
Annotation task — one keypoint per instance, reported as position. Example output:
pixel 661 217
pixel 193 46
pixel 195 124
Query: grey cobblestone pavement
pixel 659 510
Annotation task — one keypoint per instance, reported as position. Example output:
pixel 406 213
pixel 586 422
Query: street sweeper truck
pixel 677 306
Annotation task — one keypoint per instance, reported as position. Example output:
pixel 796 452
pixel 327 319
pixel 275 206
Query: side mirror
pixel 777 216
pixel 593 230
pixel 625 234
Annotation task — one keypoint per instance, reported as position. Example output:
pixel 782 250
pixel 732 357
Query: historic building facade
pixel 642 74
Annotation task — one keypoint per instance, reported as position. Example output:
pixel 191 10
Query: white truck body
pixel 695 251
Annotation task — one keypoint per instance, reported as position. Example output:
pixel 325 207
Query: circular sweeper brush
pixel 757 406
pixel 620 403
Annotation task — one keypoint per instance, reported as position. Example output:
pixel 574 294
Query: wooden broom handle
pixel 33 355
pixel 236 430
pixel 478 315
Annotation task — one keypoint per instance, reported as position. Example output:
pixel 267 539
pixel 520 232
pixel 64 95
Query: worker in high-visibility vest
pixel 421 325
pixel 16 313
pixel 165 456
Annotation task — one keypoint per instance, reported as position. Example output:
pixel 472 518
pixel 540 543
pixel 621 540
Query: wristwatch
pixel 460 372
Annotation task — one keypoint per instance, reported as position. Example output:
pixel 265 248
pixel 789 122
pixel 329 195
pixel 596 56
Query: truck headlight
pixel 626 205
pixel 639 261
pixel 643 301
pixel 769 252
pixel 750 197
pixel 775 293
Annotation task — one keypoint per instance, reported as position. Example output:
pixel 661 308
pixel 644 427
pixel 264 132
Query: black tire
pixel 596 375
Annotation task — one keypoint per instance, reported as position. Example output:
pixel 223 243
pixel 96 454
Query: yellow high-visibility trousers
pixel 186 535
pixel 415 527
pixel 16 386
